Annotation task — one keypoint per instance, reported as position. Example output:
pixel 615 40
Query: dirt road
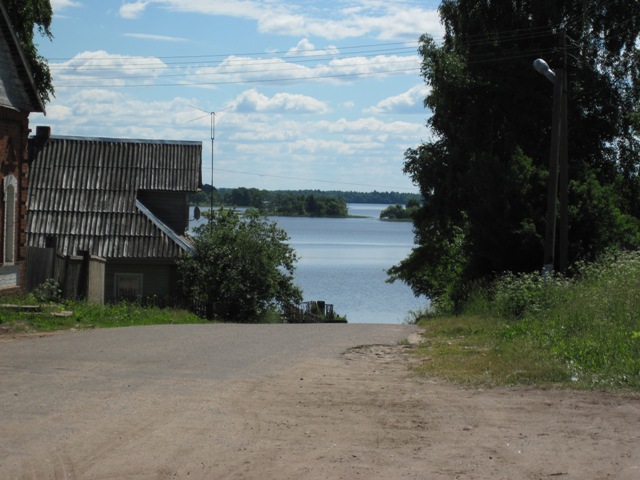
pixel 284 402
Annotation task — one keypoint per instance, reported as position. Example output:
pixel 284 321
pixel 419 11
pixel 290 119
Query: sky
pixel 302 94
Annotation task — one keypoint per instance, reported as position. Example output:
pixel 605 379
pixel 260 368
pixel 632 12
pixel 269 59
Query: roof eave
pixel 22 64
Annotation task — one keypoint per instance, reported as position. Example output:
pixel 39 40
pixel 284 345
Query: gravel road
pixel 54 388
pixel 286 402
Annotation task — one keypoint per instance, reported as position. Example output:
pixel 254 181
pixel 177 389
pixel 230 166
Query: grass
pixel 82 315
pixel 470 350
pixel 582 332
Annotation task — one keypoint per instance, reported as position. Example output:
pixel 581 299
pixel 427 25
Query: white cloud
pixel 407 102
pixel 251 9
pixel 380 64
pixel 106 113
pixel 394 22
pixel 370 125
pixel 269 141
pixel 100 67
pixel 59 113
pixel 58 5
pixel 306 48
pixel 253 101
pixel 160 38
pixel 239 69
pixel 131 11
pixel 385 20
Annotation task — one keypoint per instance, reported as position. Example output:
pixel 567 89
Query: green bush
pixel 591 323
pixel 48 291
pixel 518 295
pixel 240 268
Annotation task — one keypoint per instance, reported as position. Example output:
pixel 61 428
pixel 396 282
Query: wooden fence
pixel 70 271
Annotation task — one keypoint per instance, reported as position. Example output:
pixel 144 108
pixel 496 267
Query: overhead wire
pixel 236 82
pixel 153 63
pixel 383 57
pixel 283 61
pixel 236 54
pixel 249 72
pixel 285 57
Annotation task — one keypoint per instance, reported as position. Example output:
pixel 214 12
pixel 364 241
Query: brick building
pixel 18 98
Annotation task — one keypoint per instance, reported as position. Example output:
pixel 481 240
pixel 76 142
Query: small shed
pixel 18 98
pixel 107 218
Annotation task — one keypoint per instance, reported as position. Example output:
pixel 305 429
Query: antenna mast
pixel 212 114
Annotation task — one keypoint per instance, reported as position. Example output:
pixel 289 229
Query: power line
pixel 232 82
pixel 153 62
pixel 250 72
pixel 273 52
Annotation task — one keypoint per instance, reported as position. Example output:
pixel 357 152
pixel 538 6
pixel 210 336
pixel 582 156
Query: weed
pixel 532 329
pixel 48 291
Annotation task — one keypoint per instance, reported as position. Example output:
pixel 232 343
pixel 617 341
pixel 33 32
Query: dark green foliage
pixel 240 269
pixel 253 197
pixel 27 16
pixel 246 197
pixel 299 205
pixel 399 212
pixel 484 175
pixel 49 291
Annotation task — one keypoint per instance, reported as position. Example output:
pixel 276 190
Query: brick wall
pixel 14 136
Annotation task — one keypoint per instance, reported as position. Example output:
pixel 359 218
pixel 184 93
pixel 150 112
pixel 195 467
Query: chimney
pixel 43 133
pixel 37 142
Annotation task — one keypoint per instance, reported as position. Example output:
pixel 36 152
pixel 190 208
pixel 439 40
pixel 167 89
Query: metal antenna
pixel 212 114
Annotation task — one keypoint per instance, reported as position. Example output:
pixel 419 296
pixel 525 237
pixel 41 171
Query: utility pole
pixel 563 257
pixel 558 165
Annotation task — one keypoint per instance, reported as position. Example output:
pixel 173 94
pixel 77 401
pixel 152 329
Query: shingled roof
pixel 85 193
pixel 17 87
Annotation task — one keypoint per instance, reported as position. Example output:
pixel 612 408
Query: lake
pixel 343 261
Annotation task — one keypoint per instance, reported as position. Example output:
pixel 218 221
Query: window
pixel 10 186
pixel 128 286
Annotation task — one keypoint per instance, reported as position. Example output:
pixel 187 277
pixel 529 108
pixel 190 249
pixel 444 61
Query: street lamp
pixel 557 160
pixel 542 68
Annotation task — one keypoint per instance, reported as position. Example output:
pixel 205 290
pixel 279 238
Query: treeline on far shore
pixel 331 203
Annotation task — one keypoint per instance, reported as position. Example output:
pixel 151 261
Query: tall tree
pixel 28 16
pixel 483 175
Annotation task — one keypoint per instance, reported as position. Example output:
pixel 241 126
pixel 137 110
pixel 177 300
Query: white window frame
pixel 10 219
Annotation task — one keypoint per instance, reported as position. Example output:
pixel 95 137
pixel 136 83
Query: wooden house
pixel 107 217
pixel 18 97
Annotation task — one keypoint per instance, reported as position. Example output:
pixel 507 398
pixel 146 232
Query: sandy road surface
pixel 283 402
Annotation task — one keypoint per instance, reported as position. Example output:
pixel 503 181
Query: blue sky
pixel 307 93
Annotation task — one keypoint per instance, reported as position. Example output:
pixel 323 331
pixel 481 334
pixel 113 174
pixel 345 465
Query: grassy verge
pixel 81 315
pixel 532 330
pixel 471 350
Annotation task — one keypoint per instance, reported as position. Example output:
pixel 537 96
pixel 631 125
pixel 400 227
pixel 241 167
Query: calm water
pixel 343 261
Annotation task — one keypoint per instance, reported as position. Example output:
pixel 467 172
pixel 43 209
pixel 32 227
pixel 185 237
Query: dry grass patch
pixel 470 351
